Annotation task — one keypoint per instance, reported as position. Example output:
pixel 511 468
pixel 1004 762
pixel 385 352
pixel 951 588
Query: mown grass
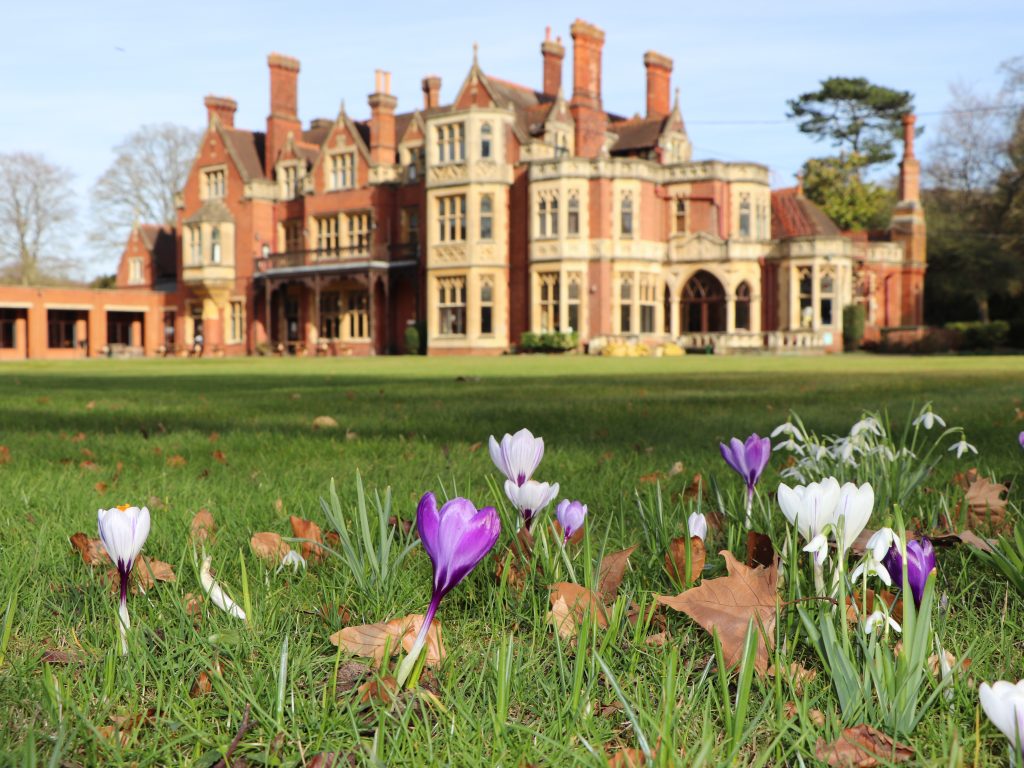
pixel 417 425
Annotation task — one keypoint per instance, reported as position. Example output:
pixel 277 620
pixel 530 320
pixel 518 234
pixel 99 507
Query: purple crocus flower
pixel 571 515
pixel 748 460
pixel 456 537
pixel 920 563
pixel 1020 439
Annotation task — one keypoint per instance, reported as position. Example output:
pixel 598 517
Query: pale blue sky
pixel 80 76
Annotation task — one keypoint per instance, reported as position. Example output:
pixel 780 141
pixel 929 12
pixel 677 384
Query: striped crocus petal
pixel 518 455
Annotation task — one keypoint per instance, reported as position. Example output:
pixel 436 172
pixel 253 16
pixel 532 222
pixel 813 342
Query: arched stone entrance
pixel 703 306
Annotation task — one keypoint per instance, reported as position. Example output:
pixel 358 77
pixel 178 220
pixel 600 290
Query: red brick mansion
pixel 502 210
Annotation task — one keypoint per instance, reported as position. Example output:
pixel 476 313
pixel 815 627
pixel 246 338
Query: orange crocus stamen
pixel 123 507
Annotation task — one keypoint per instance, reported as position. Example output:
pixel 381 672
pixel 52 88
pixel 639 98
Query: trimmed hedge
pixel 548 342
pixel 854 316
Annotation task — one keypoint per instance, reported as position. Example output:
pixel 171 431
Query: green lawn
pixel 96 434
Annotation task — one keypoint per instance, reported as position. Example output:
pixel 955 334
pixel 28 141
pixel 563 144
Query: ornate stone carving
pixel 697 247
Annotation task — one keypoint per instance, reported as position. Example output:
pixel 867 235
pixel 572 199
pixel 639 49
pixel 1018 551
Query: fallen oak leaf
pixel 727 605
pixel 862 746
pixel 569 605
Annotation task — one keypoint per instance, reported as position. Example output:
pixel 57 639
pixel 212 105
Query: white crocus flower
pixel 216 593
pixel 867 424
pixel 929 419
pixel 123 530
pixel 961 447
pixel 810 509
pixel 531 497
pixel 1003 702
pixel 518 455
pixel 879 617
pixel 852 513
pixel 697 525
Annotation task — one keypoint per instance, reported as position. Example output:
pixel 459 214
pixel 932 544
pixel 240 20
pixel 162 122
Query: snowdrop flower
pixel 885 451
pixel 928 419
pixel 789 445
pixel 811 509
pixel 123 531
pixel 817 452
pixel 530 498
pixel 961 447
pixel 867 424
pixel 1003 702
pixel 518 455
pixel 788 428
pixel 880 618
pixel 571 515
pixel 216 593
pixel 456 537
pixel 852 513
pixel 906 453
pixel 294 559
pixel 876 555
pixel 843 449
pixel 697 525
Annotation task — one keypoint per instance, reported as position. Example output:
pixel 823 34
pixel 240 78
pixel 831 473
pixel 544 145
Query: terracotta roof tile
pixel 636 134
pixel 795 216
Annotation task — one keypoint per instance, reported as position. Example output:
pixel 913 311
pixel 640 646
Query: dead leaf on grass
pixel 202 526
pixel 91 550
pixel 727 605
pixel 269 546
pixel 569 605
pixel 122 727
pixel 307 529
pixel 371 640
pixel 177 460
pixel 863 747
pixel 675 559
pixel 218 455
pixel 613 568
pixel 63 656
pixel 5 454
pixel 325 422
pixel 383 690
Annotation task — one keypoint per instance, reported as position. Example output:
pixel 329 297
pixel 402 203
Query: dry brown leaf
pixel 569 605
pixel 862 747
pixel 122 726
pixel 100 487
pixel 77 437
pixel 653 477
pixel 193 604
pixel 657 639
pixel 371 640
pixel 986 507
pixel 613 568
pixel 91 550
pixel 306 529
pixel 675 559
pixel 149 571
pixel 177 460
pixel 5 454
pixel 218 455
pixel 816 716
pixel 269 546
pixel 382 690
pixel 201 686
pixel 627 757
pixel 65 656
pixel 563 619
pixel 324 422
pixel 214 437
pixel 202 526
pixel 695 488
pixel 90 466
pixel 727 605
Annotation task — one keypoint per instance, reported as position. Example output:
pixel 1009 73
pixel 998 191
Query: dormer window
pixel 343 170
pixel 485 141
pixel 215 183
pixel 215 246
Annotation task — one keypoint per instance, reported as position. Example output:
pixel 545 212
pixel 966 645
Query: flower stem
pixel 406 667
pixel 123 624
pixel 819 579
pixel 750 506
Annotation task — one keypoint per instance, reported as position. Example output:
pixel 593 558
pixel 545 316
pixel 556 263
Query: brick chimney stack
pixel 591 121
pixel 284 110
pixel 431 91
pixel 553 52
pixel 223 107
pixel 910 168
pixel 382 120
pixel 659 77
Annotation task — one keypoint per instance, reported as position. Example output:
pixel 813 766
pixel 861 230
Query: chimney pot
pixel 431 91
pixel 552 52
pixel 591 120
pixel 223 107
pixel 659 80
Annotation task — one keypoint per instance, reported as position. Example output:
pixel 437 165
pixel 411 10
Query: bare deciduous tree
pixel 36 215
pixel 149 167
